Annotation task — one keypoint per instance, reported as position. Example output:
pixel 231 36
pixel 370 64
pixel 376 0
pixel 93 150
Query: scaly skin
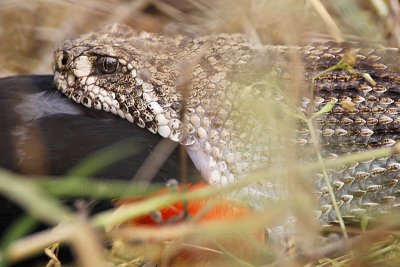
pixel 201 92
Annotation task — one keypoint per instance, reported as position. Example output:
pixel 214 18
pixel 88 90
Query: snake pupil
pixel 108 65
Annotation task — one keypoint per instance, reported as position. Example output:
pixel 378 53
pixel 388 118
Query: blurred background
pixel 31 29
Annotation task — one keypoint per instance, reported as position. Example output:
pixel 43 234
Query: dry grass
pixel 30 30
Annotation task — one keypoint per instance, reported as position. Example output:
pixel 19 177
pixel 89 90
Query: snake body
pixel 206 93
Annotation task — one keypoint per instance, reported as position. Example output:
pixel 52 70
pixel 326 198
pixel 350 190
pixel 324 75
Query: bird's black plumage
pixel 44 133
pixel 33 115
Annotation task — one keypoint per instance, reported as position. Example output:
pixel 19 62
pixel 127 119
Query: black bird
pixel 44 133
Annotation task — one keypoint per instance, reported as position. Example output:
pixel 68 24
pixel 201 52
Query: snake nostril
pixel 64 59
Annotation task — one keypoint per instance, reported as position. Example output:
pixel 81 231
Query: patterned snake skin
pixel 206 94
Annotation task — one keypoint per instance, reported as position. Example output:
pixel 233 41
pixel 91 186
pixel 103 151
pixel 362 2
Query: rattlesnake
pixel 204 93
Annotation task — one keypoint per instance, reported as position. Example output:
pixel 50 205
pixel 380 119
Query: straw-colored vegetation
pixel 29 32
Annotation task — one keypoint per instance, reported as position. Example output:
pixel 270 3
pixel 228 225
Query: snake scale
pixel 201 92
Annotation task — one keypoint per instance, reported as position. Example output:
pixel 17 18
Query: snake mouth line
pixel 84 91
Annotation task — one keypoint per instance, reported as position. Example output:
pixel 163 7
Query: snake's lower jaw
pixel 64 83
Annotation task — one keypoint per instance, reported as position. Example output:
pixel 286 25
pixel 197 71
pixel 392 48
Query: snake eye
pixel 108 65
